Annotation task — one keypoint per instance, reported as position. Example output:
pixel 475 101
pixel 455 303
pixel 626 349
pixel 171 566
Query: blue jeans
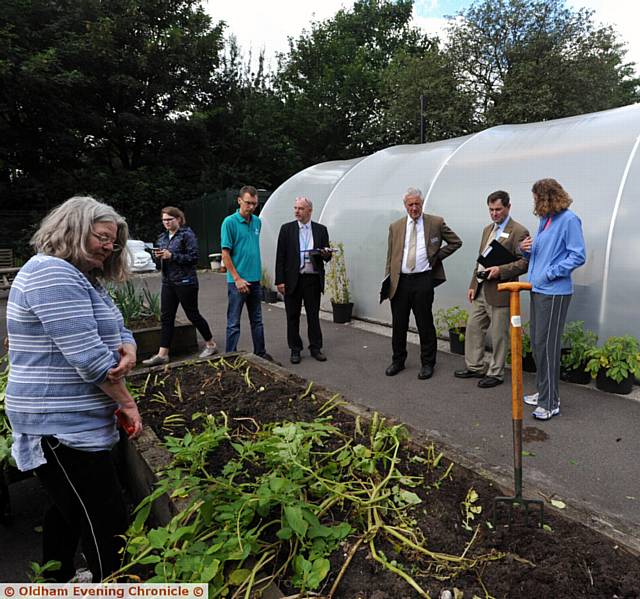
pixel 234 311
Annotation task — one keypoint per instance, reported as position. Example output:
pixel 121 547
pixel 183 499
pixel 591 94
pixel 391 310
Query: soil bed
pixel 566 560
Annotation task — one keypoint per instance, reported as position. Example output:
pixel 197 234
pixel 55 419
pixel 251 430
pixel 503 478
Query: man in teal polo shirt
pixel 240 238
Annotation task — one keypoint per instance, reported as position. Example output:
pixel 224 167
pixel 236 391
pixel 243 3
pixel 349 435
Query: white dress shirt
pixel 422 262
pixel 305 241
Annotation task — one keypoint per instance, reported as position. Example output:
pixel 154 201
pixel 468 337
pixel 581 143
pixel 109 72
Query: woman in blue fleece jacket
pixel 558 249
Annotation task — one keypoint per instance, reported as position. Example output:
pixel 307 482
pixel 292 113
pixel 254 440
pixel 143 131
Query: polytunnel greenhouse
pixel 594 156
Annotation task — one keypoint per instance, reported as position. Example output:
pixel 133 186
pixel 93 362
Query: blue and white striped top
pixel 63 338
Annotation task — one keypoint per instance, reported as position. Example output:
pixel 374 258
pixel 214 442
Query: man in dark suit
pixel 489 307
pixel 303 248
pixel 414 265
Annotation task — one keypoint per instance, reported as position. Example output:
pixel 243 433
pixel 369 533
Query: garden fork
pixel 516 410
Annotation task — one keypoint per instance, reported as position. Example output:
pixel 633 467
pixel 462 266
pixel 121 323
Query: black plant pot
pixel 269 296
pixel 342 312
pixel 455 345
pixel 528 363
pixel 604 383
pixel 576 375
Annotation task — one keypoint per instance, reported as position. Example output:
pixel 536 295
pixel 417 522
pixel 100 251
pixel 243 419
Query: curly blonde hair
pixel 64 232
pixel 549 197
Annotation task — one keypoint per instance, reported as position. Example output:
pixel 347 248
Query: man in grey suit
pixel 489 307
pixel 414 266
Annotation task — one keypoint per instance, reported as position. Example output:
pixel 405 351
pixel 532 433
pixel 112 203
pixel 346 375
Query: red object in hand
pixel 123 423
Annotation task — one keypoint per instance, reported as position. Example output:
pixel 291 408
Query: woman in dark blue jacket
pixel 176 252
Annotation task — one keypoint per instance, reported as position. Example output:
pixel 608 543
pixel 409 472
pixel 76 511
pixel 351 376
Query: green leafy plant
pixel 619 357
pixel 265 279
pixel 39 572
pixel 6 438
pixel 470 508
pixel 283 503
pixel 578 342
pixel 526 340
pixel 135 304
pixel 451 319
pixel 337 280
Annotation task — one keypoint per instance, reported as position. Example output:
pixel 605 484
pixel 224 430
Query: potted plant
pixel 576 341
pixel 338 286
pixel 528 363
pixel 454 320
pixel 140 309
pixel 269 295
pixel 615 364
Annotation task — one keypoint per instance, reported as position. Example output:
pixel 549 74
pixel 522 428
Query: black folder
pixel 385 288
pixel 496 255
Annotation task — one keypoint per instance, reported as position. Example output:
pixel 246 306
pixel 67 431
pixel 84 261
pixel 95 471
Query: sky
pixel 266 24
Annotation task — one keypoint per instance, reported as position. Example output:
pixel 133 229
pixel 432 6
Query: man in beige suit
pixel 489 307
pixel 414 267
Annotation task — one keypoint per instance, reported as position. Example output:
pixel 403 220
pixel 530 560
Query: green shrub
pixel 135 304
pixel 337 280
pixel 578 342
pixel 451 319
pixel 619 357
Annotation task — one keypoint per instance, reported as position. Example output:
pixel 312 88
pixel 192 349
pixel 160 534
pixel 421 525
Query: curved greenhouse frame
pixel 594 156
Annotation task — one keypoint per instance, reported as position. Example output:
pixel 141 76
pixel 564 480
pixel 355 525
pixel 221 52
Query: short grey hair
pixel 64 232
pixel 414 192
pixel 307 200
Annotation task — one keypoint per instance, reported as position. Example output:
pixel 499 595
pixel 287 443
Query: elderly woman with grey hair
pixel 68 354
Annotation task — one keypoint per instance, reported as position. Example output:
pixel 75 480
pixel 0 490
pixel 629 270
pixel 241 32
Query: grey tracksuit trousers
pixel 548 314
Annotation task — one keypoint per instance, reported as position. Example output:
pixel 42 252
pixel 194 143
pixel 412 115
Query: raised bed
pixel 184 341
pixel 454 546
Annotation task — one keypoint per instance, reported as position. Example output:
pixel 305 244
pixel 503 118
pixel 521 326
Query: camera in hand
pixel 483 274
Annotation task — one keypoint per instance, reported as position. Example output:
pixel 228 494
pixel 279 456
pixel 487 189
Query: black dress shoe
pixel 465 373
pixel 489 381
pixel 295 357
pixel 318 355
pixel 394 368
pixel 426 372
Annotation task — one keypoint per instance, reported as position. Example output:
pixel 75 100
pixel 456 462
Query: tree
pixel 93 91
pixel 532 60
pixel 449 110
pixel 250 138
pixel 331 78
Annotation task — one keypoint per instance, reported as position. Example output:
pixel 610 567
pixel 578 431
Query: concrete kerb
pixel 577 510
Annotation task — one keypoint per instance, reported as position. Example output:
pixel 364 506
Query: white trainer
pixel 541 414
pixel 208 351
pixel 156 360
pixel 82 575
pixel 532 400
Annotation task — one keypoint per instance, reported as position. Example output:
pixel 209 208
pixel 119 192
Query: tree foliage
pixel 94 90
pixel 532 60
pixel 448 108
pixel 331 80
pixel 143 103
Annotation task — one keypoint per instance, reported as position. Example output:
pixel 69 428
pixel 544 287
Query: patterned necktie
pixel 413 243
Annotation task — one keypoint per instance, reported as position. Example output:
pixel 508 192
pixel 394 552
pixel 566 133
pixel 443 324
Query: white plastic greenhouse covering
pixel 594 156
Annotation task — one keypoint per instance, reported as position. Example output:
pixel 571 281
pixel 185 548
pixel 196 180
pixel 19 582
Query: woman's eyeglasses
pixel 104 241
pixel 168 220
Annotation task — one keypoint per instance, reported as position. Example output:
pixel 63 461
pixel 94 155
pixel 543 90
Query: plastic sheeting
pixel 595 157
